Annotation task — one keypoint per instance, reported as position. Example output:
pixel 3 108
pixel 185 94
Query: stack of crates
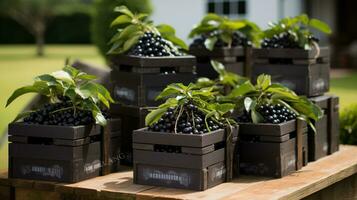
pixel 307 73
pixel 136 81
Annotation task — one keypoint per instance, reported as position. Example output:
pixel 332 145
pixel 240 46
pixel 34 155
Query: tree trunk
pixel 40 43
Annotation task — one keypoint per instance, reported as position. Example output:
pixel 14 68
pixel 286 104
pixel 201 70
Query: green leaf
pixel 37 87
pixel 247 103
pixel 263 81
pixel 127 32
pixel 63 76
pixel 210 42
pixel 256 117
pixel 218 67
pixel 50 80
pixel 211 17
pixel 104 92
pixel 225 107
pixel 124 10
pixel 23 115
pixel 177 41
pixel 86 77
pixel 154 116
pixel 321 26
pixel 242 89
pixel 142 16
pixel 130 43
pixel 122 19
pixel 87 90
pixel 198 30
pixel 99 118
pixel 232 25
pixel 73 72
pixel 103 100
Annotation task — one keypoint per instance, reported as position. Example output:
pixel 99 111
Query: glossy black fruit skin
pixel 152 45
pixel 238 39
pixel 284 40
pixel 61 114
pixel 274 114
pixel 191 121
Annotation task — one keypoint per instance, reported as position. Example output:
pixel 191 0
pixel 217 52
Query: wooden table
pixel 333 177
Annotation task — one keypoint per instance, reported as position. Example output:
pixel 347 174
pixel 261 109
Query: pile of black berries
pixel 61 114
pixel 152 45
pixel 274 114
pixel 284 40
pixel 238 39
pixel 191 121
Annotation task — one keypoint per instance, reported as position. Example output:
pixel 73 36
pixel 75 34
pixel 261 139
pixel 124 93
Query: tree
pixel 104 15
pixel 34 15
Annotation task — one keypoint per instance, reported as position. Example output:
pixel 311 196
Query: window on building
pixel 231 8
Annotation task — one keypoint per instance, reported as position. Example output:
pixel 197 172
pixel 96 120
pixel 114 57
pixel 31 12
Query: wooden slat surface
pixel 312 178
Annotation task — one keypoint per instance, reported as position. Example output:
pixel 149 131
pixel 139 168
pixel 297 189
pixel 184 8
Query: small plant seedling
pixel 267 102
pixel 294 32
pixel 189 110
pixel 218 31
pixel 138 36
pixel 73 99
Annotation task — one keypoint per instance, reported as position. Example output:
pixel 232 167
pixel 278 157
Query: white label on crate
pixel 318 84
pixel 124 93
pixel 218 173
pixel 181 178
pixel 92 167
pixel 54 171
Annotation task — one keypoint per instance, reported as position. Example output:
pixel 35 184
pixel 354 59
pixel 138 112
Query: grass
pixel 18 65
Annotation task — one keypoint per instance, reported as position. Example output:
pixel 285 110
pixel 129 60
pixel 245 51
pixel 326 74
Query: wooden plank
pixel 165 61
pixel 310 179
pixel 113 185
pixel 30 194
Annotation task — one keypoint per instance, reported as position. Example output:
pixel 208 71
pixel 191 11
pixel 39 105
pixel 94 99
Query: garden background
pixel 78 29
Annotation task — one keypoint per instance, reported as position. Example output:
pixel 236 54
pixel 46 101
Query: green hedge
pixel 104 15
pixel 348 125
pixel 73 28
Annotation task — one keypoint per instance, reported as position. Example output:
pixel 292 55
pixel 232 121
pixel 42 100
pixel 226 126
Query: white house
pixel 183 14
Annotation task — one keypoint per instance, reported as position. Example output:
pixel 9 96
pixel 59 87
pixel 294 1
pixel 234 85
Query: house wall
pixel 183 14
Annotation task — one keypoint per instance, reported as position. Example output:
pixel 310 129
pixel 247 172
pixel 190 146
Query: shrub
pixel 104 15
pixel 348 125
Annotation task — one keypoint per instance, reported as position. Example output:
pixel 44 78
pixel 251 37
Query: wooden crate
pixel 273 150
pixel 139 89
pixel 234 59
pixel 326 139
pixel 132 118
pixel 199 161
pixel 63 154
pixel 153 65
pixel 298 69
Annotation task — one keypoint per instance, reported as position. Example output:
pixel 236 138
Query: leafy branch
pixel 178 95
pixel 225 28
pixel 249 97
pixel 299 27
pixel 133 26
pixel 77 86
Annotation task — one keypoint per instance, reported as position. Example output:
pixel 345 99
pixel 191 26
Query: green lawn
pixel 18 65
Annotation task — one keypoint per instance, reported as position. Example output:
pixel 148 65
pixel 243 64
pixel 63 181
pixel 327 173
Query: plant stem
pixel 178 117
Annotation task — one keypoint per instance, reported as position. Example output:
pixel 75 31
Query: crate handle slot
pixel 167 148
pixel 40 140
pixel 280 61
